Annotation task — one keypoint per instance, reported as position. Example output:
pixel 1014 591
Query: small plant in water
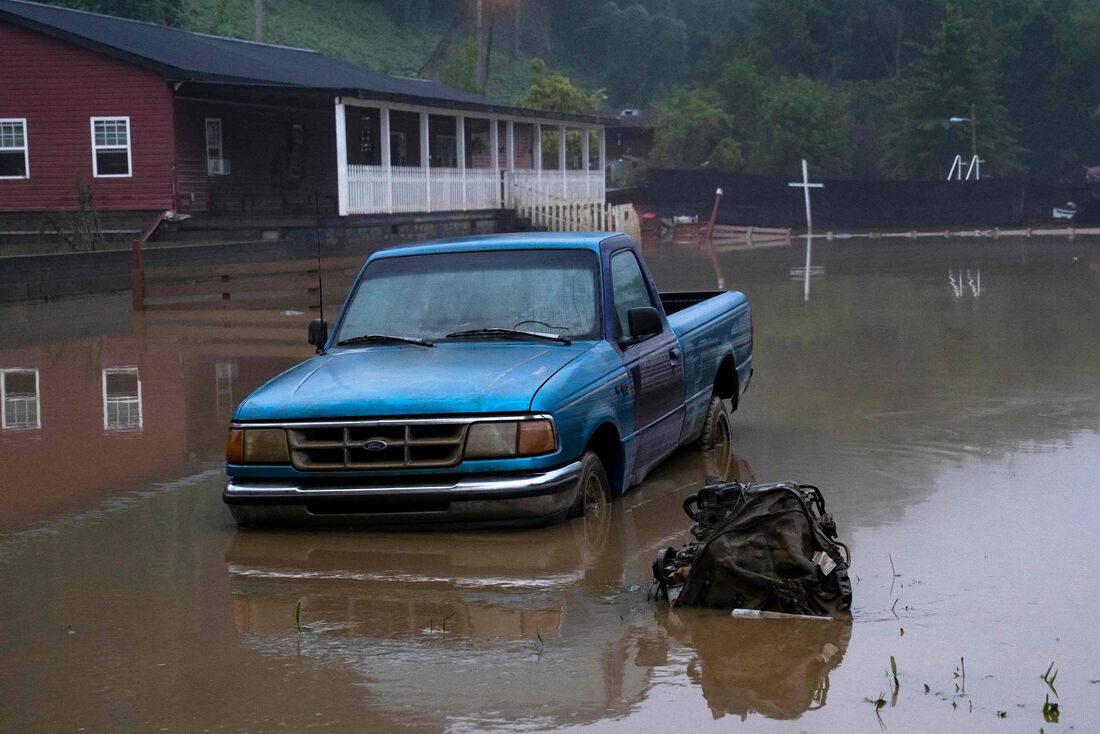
pixel 894 672
pixel 298 616
pixel 1050 711
pixel 1002 714
pixel 538 634
pixel 1049 678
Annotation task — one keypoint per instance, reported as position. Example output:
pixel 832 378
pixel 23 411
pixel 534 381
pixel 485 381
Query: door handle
pixel 674 354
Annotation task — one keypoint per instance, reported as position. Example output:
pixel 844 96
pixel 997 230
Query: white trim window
pixel 111 147
pixel 122 399
pixel 14 151
pixel 216 164
pixel 20 408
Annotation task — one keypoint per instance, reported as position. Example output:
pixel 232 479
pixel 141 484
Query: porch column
pixel 561 163
pixel 537 130
pixel 586 161
pixel 603 159
pixel 494 155
pixel 387 161
pixel 510 155
pixel 460 153
pixel 341 158
pixel 426 160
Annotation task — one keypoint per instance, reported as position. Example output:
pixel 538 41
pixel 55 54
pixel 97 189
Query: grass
pixel 298 616
pixel 894 672
pixel 363 32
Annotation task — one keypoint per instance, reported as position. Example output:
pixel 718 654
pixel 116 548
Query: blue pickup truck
pixel 515 379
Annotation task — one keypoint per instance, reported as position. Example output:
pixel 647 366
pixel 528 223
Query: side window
pixel 111 147
pixel 13 149
pixel 627 287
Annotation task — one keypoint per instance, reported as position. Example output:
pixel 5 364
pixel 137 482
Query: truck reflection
pixel 541 628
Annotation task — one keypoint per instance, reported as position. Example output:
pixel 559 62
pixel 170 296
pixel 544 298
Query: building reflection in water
pixel 19 395
pixel 122 399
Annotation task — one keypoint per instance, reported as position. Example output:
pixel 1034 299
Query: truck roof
pixel 513 241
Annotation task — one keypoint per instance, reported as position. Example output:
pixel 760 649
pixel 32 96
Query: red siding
pixel 58 86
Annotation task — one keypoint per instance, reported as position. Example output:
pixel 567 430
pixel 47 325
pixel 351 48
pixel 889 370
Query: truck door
pixel 655 366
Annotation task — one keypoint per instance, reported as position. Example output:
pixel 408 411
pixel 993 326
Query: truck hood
pixel 409 380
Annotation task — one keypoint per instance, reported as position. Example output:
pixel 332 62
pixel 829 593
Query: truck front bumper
pixel 513 499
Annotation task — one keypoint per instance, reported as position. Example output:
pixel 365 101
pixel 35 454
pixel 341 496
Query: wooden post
pixel 387 157
pixel 342 192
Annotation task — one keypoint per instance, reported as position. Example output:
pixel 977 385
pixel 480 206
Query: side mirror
pixel 644 321
pixel 318 333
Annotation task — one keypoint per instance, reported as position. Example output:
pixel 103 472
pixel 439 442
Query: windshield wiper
pixel 500 331
pixel 382 338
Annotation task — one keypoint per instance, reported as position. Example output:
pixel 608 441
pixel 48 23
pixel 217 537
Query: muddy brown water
pixel 952 426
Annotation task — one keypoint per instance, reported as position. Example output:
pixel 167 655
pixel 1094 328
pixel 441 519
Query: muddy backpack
pixel 768 547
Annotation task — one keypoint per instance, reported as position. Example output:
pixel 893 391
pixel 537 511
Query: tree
pixel 692 127
pixel 802 118
pixel 953 74
pixel 459 69
pixel 167 12
pixel 552 91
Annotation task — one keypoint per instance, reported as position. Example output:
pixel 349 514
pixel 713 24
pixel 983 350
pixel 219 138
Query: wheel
pixel 717 435
pixel 593 490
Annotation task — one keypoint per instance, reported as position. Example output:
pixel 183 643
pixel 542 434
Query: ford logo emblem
pixel 375 444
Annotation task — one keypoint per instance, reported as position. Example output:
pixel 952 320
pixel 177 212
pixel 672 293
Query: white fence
pixel 558 201
pixel 416 189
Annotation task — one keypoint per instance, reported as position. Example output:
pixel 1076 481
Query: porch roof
pixel 183 56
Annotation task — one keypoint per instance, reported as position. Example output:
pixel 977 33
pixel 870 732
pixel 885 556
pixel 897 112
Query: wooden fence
pixel 285 285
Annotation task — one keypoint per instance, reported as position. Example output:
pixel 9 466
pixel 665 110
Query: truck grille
pixel 392 446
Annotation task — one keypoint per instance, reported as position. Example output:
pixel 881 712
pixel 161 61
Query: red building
pixel 149 118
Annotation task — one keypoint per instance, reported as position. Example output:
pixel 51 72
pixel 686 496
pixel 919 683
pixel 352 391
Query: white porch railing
pixel 415 189
pixel 530 187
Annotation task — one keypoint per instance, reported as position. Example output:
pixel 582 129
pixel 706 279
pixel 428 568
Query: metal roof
pixel 183 56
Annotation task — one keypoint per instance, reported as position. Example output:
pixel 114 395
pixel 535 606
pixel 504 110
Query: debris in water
pixel 291 312
pixel 1050 711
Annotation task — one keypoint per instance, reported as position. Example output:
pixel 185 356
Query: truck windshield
pixel 430 296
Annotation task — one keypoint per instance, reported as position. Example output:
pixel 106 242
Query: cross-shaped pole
pixel 805 185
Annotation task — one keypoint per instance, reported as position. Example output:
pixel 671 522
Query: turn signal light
pixel 535 437
pixel 234 446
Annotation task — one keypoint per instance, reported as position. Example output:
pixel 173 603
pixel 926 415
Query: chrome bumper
pixel 522 497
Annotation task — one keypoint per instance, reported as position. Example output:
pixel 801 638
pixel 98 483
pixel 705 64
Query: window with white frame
pixel 111 147
pixel 19 396
pixel 121 399
pixel 14 156
pixel 216 165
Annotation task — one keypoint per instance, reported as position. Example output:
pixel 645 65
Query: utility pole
pixel 259 5
pixel 973 132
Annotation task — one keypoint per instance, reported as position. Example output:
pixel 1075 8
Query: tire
pixel 593 489
pixel 717 434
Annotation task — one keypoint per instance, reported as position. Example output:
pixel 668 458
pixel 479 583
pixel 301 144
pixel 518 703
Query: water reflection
pixel 471 614
pixel 775 668
pixel 19 395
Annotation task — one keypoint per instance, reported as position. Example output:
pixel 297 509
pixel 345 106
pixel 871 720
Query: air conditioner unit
pixel 217 166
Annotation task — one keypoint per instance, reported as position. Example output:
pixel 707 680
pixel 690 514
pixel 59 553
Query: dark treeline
pixel 863 88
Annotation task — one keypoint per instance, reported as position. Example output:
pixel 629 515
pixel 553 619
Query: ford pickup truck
pixel 517 379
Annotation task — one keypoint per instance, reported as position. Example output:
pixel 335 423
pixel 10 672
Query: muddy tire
pixel 593 489
pixel 717 435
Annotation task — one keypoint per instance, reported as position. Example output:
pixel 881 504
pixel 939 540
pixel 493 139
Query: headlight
pixel 257 446
pixel 503 439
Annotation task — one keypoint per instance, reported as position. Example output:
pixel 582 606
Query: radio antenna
pixel 317 227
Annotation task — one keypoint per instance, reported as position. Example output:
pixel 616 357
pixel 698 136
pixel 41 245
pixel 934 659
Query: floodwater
pixel 952 420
